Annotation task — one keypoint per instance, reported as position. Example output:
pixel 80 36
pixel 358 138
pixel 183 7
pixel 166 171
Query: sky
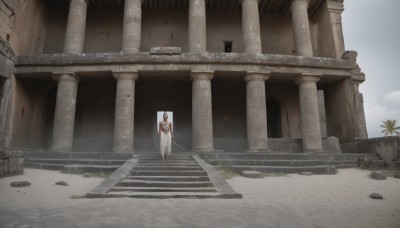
pixel 372 28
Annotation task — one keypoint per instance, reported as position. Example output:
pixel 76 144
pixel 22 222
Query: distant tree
pixel 390 128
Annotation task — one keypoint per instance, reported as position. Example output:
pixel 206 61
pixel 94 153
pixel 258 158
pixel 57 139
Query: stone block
pixel 12 162
pixel 251 174
pixel 378 176
pixel 61 183
pixel 376 196
pixel 20 184
pixel 165 50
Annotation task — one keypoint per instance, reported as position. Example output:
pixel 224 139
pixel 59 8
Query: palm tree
pixel 390 128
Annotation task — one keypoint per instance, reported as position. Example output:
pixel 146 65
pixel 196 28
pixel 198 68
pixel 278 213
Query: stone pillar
pixel 335 9
pixel 132 29
pixel 322 113
pixel 310 127
pixel 76 24
pixel 202 125
pixel 301 28
pixel 197 26
pixel 64 117
pixel 256 109
pixel 359 111
pixel 124 111
pixel 251 26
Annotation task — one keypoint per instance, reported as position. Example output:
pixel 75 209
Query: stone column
pixel 202 125
pixel 197 26
pixel 335 9
pixel 132 29
pixel 124 111
pixel 359 111
pixel 256 109
pixel 301 28
pixel 64 117
pixel 251 26
pixel 310 127
pixel 76 24
pixel 322 113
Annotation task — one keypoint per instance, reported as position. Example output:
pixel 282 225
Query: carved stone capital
pixel 261 76
pixel 125 75
pixel 201 75
pixel 66 76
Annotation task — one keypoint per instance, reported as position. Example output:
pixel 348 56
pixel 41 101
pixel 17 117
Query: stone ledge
pixel 183 58
pixel 165 51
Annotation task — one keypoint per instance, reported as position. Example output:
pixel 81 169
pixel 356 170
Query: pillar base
pixel 258 150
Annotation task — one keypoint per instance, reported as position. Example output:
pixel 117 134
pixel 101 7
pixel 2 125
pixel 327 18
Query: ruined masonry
pixel 241 77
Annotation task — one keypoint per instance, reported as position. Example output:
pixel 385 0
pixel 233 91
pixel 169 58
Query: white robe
pixel 165 143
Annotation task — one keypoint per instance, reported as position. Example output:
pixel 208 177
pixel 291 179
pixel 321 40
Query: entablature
pixel 283 66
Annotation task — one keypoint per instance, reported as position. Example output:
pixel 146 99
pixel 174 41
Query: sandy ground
pixel 285 201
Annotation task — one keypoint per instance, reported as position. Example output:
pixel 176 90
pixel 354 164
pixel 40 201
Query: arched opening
pixel 274 118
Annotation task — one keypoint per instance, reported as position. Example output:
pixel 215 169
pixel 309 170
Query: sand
pixel 293 200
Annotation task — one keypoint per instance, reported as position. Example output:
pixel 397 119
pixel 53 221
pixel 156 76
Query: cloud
pixel 393 97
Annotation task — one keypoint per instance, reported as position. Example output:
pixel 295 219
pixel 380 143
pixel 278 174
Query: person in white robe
pixel 165 134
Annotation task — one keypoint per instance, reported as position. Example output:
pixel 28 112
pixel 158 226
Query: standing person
pixel 165 134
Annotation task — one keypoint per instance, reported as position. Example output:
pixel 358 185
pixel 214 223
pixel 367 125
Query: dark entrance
pixel 155 93
pixel 274 118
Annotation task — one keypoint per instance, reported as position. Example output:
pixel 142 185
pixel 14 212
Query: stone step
pixel 346 166
pixel 167 162
pixel 167 173
pixel 155 167
pixel 80 169
pixel 163 189
pixel 170 178
pixel 44 166
pixel 167 195
pixel 286 169
pixel 67 161
pixel 141 183
pixel 77 155
pixel 284 156
pixel 278 162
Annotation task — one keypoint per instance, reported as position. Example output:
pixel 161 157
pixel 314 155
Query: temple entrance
pixel 153 96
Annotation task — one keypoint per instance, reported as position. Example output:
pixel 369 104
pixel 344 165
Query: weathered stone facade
pixel 92 74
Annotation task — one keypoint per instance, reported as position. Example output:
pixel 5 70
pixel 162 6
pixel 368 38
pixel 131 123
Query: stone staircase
pixel 182 176
pixel 75 162
pixel 317 163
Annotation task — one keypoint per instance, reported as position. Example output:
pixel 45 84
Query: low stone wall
pixel 388 148
pixel 11 163
pixel 277 145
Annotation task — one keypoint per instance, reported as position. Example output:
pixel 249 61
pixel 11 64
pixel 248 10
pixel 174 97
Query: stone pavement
pixel 283 201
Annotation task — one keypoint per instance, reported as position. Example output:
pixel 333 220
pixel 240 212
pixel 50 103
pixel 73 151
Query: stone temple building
pixel 238 75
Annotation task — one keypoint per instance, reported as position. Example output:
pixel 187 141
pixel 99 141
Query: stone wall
pixel 278 145
pixel 11 163
pixel 388 148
